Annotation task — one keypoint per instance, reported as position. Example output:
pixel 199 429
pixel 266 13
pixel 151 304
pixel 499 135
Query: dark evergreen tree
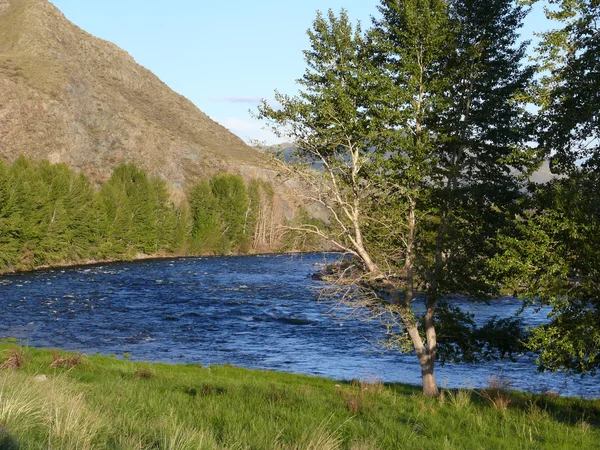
pixel 206 222
pixel 230 194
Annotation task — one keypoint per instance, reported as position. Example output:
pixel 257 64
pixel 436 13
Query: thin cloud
pixel 238 99
pixel 237 124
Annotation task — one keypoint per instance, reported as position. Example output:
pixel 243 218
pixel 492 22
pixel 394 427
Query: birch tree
pixel 410 122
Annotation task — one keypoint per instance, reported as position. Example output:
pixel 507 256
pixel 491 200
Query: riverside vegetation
pixel 50 215
pixel 99 402
pixel 423 126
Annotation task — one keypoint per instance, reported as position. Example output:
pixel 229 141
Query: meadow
pixel 57 400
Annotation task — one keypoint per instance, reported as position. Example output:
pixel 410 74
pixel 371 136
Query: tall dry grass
pixel 50 409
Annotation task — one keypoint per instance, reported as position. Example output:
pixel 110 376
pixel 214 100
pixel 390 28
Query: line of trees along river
pixel 51 215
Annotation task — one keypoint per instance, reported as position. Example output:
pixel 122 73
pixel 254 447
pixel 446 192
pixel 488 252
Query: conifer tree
pixel 206 223
pixel 50 214
pixel 230 194
pixel 10 220
pixel 32 206
pixel 131 207
pixel 166 217
pixel 84 210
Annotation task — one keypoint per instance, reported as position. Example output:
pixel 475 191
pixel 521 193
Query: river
pixel 252 311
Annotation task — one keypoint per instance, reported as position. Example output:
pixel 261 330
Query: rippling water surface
pixel 251 311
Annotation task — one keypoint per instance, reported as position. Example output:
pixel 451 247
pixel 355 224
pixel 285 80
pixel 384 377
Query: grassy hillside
pixel 109 403
pixel 70 97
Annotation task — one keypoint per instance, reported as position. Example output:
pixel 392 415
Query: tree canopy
pixel 419 123
pixel 553 255
pixel 51 215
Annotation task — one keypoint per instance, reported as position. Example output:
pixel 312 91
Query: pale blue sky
pixel 223 56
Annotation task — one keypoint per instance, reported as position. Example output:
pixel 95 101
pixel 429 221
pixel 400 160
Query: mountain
pixel 70 97
pixel 287 152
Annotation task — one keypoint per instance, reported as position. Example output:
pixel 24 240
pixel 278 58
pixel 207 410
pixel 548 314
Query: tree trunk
pixel 430 388
pixel 426 358
pixel 425 352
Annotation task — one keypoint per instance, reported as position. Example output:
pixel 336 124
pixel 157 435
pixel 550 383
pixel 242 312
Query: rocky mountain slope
pixel 69 97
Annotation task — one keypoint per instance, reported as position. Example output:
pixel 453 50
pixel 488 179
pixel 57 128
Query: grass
pixel 98 402
pixel 22 44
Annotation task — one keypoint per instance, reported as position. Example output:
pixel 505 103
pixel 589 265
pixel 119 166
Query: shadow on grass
pixel 571 411
pixel 568 410
pixel 6 441
pixel 404 389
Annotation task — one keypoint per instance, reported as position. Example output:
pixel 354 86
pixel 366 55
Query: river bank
pixel 54 399
pixel 138 257
pixel 259 312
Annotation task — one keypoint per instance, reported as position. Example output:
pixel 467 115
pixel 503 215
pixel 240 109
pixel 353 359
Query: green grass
pixel 107 403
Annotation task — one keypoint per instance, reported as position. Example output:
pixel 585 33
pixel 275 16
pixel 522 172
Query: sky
pixel 223 56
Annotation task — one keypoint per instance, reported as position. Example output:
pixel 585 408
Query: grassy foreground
pixel 89 402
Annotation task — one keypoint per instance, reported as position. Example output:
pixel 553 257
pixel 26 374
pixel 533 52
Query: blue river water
pixel 251 311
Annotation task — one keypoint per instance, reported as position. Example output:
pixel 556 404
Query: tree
pixel 138 213
pixel 167 216
pixel 11 222
pixel 569 93
pixel 260 214
pixel 552 258
pixel 74 215
pixel 329 124
pixel 48 214
pixel 553 254
pixel 399 119
pixel 230 194
pixel 28 207
pixel 206 224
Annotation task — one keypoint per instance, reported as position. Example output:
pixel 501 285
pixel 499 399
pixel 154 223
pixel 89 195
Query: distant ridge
pixel 70 97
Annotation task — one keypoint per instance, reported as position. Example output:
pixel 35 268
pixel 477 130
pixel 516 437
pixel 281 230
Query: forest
pixel 51 215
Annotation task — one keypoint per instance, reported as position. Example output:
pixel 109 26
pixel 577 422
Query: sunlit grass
pixel 108 403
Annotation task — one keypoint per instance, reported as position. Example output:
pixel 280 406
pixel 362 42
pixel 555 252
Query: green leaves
pixel 570 102
pixel 49 215
pixel 552 258
pixel 206 224
pixel 419 123
pixel 138 214
pixel 228 217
